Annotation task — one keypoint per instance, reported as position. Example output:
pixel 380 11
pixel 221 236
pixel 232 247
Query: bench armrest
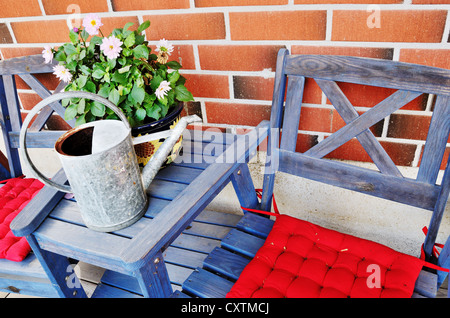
pixel 32 215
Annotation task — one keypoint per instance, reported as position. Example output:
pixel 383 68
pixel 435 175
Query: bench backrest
pixel 409 81
pixel 10 116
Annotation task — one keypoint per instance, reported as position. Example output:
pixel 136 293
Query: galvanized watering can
pixel 101 166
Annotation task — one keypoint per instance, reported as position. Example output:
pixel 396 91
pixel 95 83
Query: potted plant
pixel 146 86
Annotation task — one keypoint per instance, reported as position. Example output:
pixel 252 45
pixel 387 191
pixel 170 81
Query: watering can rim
pixel 74 130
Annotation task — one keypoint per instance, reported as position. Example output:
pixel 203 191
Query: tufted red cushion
pixel 300 259
pixel 14 196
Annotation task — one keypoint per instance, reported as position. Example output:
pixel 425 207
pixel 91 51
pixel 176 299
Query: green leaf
pixel 141 51
pixel 65 102
pixel 119 78
pixel 71 112
pixel 173 77
pixel 84 35
pixel 98 73
pixel 143 26
pixel 80 120
pixel 139 39
pixel 182 94
pixel 61 56
pixel 104 91
pixel 140 114
pixel 97 109
pixel 127 26
pixel 138 94
pixel 90 87
pixel 85 70
pixel 112 63
pixel 174 65
pixel 96 40
pixel 154 111
pixel 114 96
pixel 82 54
pixel 129 41
pixel 81 106
pixel 154 84
pixel 70 49
pixel 73 37
pixel 124 69
pixel 81 81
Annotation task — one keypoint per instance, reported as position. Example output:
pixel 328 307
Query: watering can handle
pixel 42 104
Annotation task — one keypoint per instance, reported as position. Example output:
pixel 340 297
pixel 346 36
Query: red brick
pixel 278 25
pixel 10 52
pixel 62 6
pixel 236 114
pixel 312 93
pixel 226 3
pixel 347 1
pixel 109 24
pixel 51 31
pixel 396 26
pixel 29 100
pixel 316 119
pixel 379 53
pixel 408 126
pixel 56 122
pixel 238 57
pixel 305 142
pixel 196 26
pixel 369 96
pixel 338 123
pixel 401 154
pixel 41 31
pixel 444 159
pixel 430 1
pixel 5 35
pixel 212 86
pixel 431 57
pixel 49 80
pixel 127 5
pixel 20 9
pixel 184 54
pixel 253 87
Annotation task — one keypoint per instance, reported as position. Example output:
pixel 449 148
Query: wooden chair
pixel 236 256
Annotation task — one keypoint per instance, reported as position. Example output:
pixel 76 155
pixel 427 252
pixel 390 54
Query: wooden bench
pixel 48 219
pixel 203 252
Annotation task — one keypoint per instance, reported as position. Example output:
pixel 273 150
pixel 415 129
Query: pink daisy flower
pixel 62 73
pixel 92 23
pixel 111 47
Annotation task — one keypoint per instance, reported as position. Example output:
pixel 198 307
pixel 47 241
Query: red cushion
pixel 301 259
pixel 14 196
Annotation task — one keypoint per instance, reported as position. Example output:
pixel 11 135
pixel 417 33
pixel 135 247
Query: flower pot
pixel 144 151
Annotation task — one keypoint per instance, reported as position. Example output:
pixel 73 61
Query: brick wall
pixel 228 50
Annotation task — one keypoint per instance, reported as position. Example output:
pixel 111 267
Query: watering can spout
pixel 152 167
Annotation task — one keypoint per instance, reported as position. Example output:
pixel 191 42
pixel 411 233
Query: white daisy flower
pixel 162 89
pixel 47 54
pixel 62 73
